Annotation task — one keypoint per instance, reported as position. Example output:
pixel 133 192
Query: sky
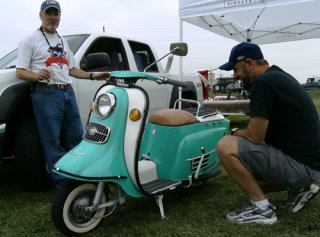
pixel 155 22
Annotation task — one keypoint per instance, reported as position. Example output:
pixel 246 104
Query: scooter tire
pixel 68 204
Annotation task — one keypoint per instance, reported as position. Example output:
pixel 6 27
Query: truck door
pixel 117 61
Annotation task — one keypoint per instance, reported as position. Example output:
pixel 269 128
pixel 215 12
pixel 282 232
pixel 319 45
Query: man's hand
pixel 256 130
pixel 78 73
pixel 27 75
pixel 43 74
pixel 101 76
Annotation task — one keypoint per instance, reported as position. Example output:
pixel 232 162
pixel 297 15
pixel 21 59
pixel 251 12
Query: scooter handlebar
pixel 175 82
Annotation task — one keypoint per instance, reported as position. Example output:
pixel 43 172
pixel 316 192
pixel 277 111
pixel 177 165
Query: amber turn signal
pixel 135 115
pixel 92 106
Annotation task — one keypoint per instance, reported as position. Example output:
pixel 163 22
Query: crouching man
pixel 280 148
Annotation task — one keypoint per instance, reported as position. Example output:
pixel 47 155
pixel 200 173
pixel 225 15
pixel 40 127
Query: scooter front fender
pixel 96 162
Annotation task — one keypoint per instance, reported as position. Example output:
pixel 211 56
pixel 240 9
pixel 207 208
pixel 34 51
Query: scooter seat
pixel 172 117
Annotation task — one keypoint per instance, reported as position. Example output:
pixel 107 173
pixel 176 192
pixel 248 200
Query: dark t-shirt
pixel 294 125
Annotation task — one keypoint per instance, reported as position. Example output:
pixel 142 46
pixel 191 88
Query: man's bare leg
pixel 228 153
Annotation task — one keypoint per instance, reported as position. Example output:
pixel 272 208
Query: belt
pixel 58 86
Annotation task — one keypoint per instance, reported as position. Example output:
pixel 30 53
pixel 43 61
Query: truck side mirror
pixel 179 49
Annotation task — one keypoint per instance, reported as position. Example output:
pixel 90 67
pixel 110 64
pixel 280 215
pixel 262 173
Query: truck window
pixel 113 50
pixel 9 61
pixel 143 56
pixel 75 41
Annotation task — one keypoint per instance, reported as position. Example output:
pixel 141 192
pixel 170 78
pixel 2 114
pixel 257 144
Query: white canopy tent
pixel 257 21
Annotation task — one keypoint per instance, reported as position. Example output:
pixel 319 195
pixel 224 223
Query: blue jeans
pixel 58 122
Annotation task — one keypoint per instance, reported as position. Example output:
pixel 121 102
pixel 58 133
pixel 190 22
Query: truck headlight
pixel 104 105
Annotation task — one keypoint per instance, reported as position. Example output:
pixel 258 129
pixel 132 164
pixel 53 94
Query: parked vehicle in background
pixel 312 83
pixel 222 83
pixel 237 85
pixel 237 92
pixel 93 53
pixel 232 87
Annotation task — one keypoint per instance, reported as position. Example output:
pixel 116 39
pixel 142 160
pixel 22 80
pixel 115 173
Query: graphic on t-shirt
pixel 58 56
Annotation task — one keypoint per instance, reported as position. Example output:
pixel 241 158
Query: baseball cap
pixel 49 4
pixel 241 52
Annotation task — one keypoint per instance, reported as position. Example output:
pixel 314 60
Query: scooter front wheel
pixel 69 212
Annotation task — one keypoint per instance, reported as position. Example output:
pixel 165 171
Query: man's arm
pixel 78 73
pixel 256 130
pixel 27 75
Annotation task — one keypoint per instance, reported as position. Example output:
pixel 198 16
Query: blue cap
pixel 241 52
pixel 49 4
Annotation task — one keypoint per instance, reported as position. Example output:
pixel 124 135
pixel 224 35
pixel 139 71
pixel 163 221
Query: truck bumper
pixel 2 132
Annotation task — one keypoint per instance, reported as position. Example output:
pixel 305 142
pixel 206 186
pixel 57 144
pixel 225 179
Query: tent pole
pixel 248 36
pixel 180 59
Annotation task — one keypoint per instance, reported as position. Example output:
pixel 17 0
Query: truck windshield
pixel 74 42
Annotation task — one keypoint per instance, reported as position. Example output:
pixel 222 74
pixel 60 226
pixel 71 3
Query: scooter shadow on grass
pixel 182 203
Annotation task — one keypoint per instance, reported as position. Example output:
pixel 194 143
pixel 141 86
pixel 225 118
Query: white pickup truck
pixel 93 53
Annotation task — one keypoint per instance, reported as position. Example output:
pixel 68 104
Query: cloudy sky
pixel 156 22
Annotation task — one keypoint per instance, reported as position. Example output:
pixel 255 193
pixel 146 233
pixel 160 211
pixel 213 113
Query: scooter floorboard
pixel 160 185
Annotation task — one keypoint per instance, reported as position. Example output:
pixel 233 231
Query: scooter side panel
pixel 174 148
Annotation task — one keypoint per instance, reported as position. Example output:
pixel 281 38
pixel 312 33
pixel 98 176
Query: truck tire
pixel 30 162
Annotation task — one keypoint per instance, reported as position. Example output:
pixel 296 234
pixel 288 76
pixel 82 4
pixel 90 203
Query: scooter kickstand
pixel 160 205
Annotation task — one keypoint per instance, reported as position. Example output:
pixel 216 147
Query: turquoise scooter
pixel 124 150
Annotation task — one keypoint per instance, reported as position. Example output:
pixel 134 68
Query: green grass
pixel 315 95
pixel 197 211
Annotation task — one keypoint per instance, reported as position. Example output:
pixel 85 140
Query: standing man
pixel 280 148
pixel 45 58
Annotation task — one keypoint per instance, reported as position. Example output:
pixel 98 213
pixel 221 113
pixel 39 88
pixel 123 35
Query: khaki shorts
pixel 273 166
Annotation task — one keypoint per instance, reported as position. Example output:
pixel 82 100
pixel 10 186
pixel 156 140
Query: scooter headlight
pixel 104 105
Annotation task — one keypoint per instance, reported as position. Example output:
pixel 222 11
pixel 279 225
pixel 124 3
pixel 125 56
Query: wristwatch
pixel 233 130
pixel 91 76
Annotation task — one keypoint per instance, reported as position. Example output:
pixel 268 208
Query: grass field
pixel 197 211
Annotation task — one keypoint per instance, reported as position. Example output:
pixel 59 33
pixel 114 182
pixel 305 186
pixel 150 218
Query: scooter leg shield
pixel 96 160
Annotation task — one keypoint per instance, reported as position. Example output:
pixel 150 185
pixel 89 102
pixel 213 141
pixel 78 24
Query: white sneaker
pixel 297 200
pixel 250 213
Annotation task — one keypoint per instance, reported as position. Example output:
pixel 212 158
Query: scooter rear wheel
pixel 68 208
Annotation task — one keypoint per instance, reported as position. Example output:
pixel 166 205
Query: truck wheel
pixel 69 212
pixel 30 161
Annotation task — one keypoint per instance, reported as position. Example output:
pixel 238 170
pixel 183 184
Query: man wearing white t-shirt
pixel 45 58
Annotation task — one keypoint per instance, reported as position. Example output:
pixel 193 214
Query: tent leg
pixel 180 59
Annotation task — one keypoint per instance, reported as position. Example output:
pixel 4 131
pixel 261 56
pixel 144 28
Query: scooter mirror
pixel 179 49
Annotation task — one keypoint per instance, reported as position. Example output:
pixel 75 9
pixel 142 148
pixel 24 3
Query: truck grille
pixel 96 132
